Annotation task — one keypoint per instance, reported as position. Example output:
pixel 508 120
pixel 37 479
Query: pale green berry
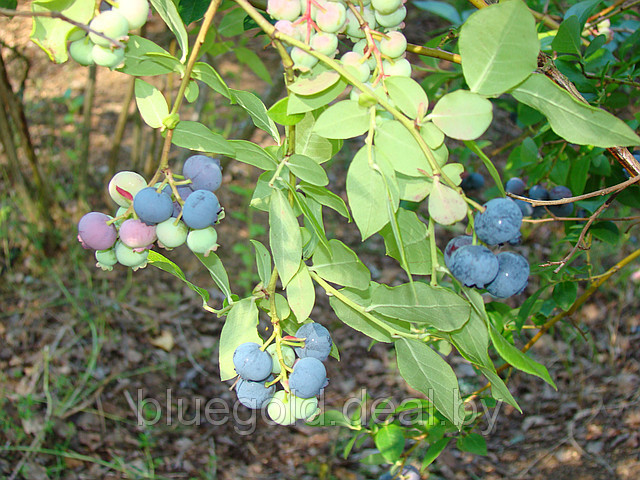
pixel 105 57
pixel 128 181
pixel 332 18
pixel 392 20
pixel 203 240
pixel 353 26
pixel 127 257
pixel 386 6
pixel 171 235
pixel 285 408
pixel 394 45
pixel 80 51
pixel 399 68
pixel 302 59
pixel 135 11
pixel 360 46
pixel 288 355
pixel 120 211
pixel 325 43
pixel 355 63
pixel 110 23
pixel 106 259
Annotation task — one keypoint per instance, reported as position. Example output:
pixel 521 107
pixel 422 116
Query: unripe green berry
pixel 360 46
pixel 127 257
pixel 394 45
pixel 135 11
pixel 386 6
pixel 333 18
pixel 302 59
pixel 203 240
pixel 110 23
pixel 106 259
pixel 80 51
pixel 288 355
pixel 399 68
pixel 325 43
pixel 285 408
pixel 356 64
pixel 105 57
pixel 353 25
pixel 392 20
pixel 171 235
pixel 284 9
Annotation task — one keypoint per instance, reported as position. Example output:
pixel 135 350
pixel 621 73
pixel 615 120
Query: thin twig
pixel 7 12
pixel 562 201
pixel 434 53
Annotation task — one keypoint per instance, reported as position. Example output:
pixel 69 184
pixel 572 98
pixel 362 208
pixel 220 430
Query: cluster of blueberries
pixel 502 275
pixel 475 181
pixel 257 365
pixel 318 23
pixel 115 24
pixel 158 213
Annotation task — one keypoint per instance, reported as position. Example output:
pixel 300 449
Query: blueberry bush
pixel 414 116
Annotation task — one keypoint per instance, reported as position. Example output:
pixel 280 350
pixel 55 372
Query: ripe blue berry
pixel 499 223
pixel 201 209
pixel 93 231
pixel 558 193
pixel 454 244
pixel 474 265
pixel 525 207
pixel 251 363
pixel 152 207
pixel 515 185
pixel 308 377
pixel 204 172
pixel 317 342
pixel 254 395
pixel 538 192
pixel 512 277
pixel 473 181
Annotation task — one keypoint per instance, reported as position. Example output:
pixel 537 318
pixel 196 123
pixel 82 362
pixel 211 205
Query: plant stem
pixel 434 53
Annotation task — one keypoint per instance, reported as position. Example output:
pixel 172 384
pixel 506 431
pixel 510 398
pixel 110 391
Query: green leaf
pixel 307 103
pixel 258 112
pixel 263 261
pixel 331 418
pixel 427 372
pixel 463 115
pixel 472 443
pixel 240 326
pixel 151 103
pixel 414 235
pixel 278 113
pixel 472 341
pixel 309 143
pixel 167 60
pixel 137 60
pixel 389 439
pixel 498 47
pixel 252 154
pixel 345 119
pixel 564 294
pixel 397 143
pixel 207 74
pixel 232 23
pixel 11 4
pixel 408 96
pixel 325 197
pixel 367 191
pixel 192 10
pixel 568 39
pixel 284 237
pixel 518 359
pixel 432 135
pixel 307 169
pixel 571 119
pixel 423 304
pixel 606 231
pixel 169 13
pixel 51 34
pixel 434 451
pixel 301 293
pixel 379 329
pixel 196 136
pixel 217 272
pixel 341 266
pixel 446 206
pixel 163 263
pixel 311 85
pixel 192 92
pixel 442 9
pixel 499 390
pixel 253 61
